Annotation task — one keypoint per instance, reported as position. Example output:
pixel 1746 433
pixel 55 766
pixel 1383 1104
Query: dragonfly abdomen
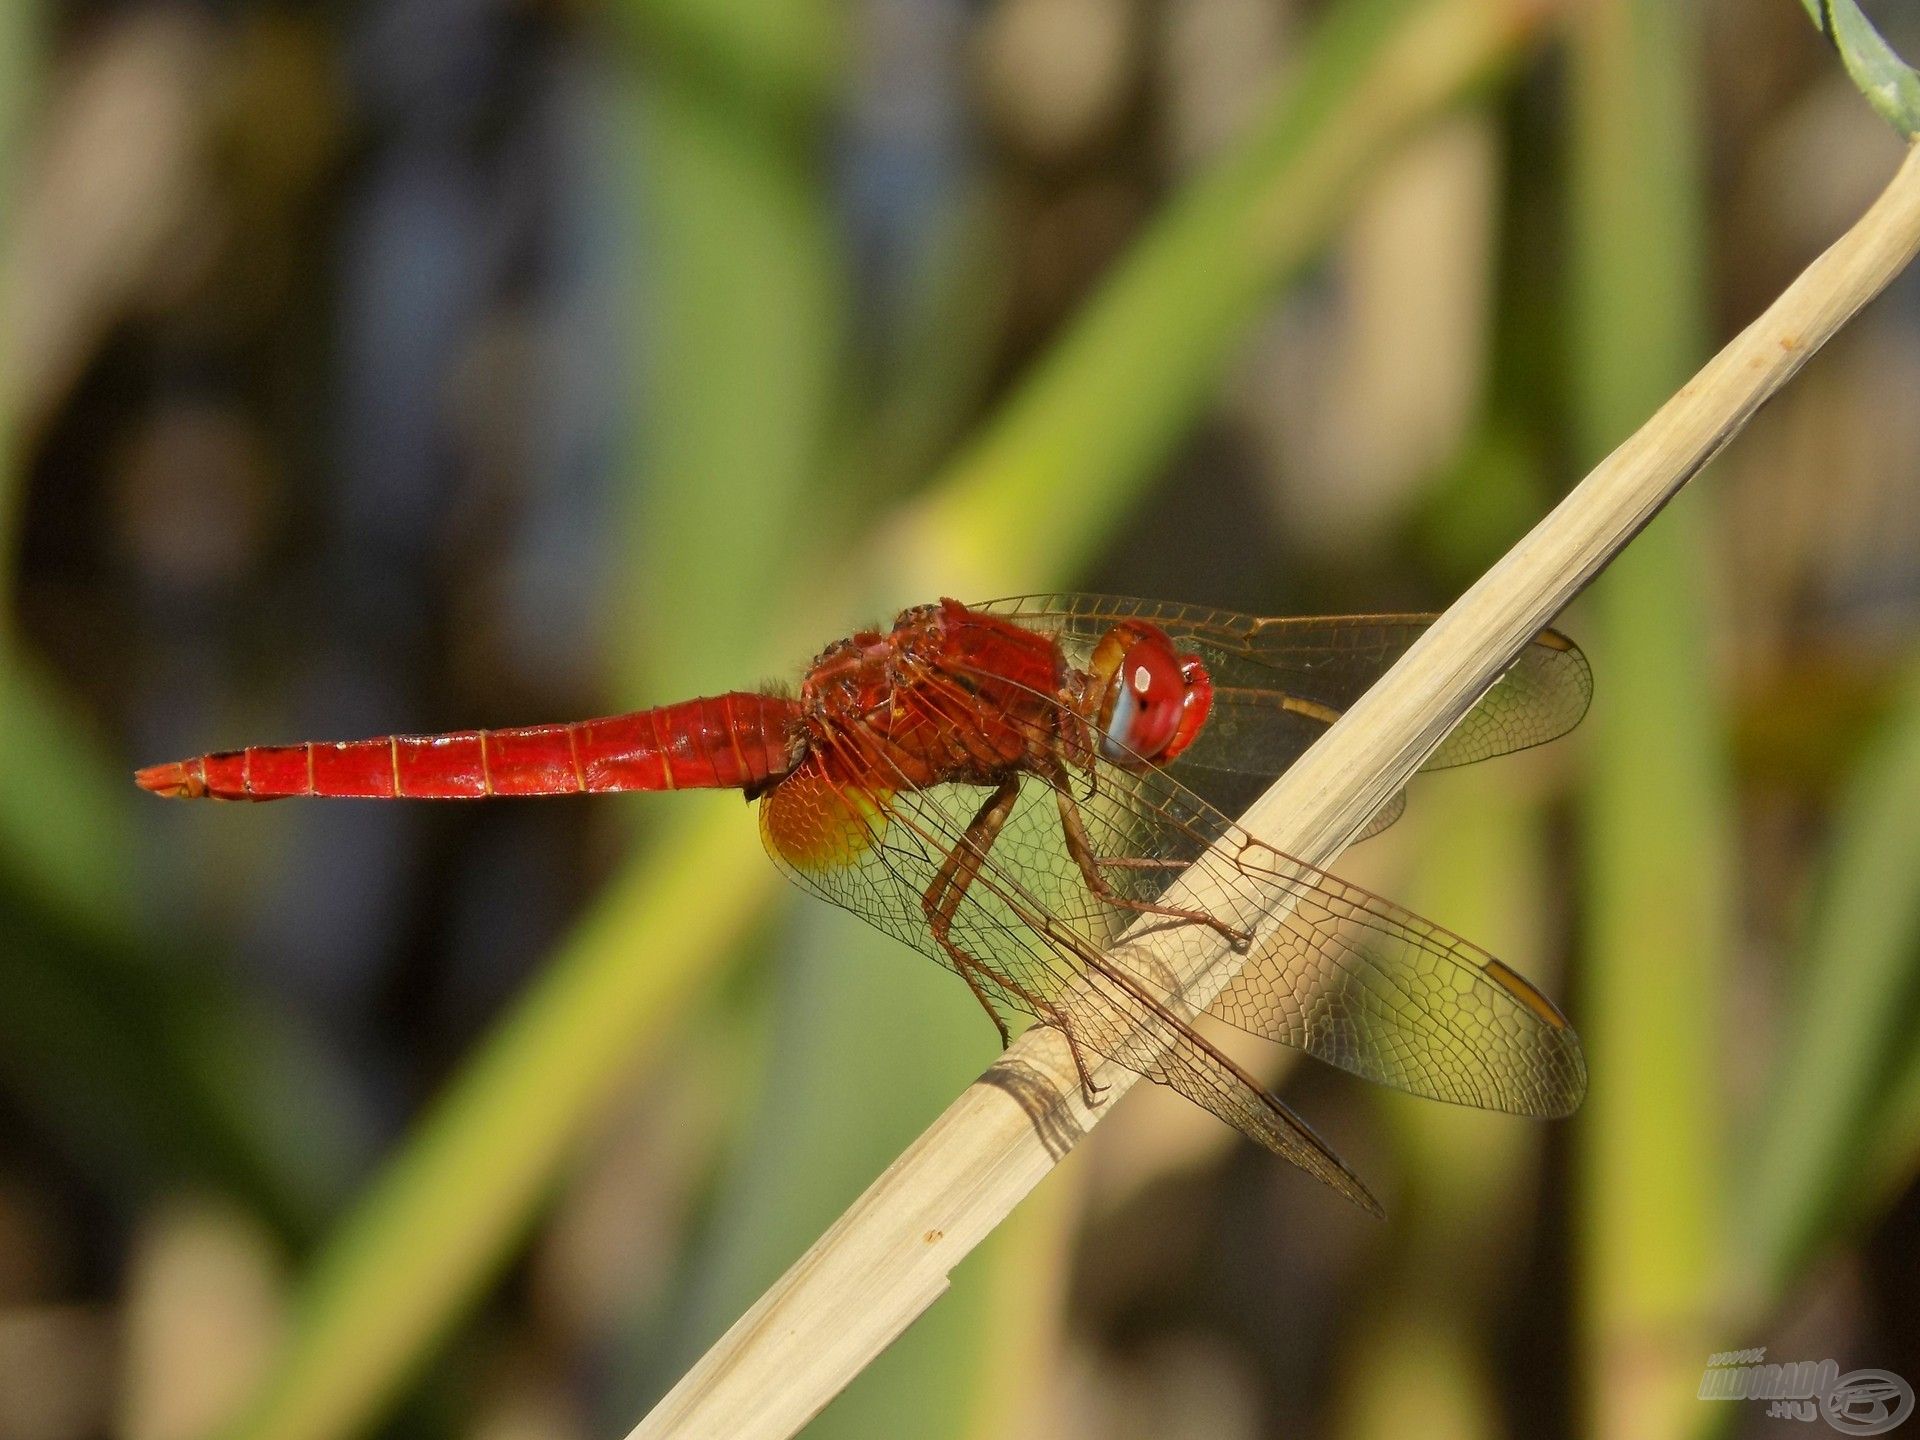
pixel 732 741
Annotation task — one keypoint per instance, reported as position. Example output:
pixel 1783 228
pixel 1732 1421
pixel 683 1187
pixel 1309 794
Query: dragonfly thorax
pixel 947 695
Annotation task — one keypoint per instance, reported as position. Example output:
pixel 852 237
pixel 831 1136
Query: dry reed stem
pixel 887 1258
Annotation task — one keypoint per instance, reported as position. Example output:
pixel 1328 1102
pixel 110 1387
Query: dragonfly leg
pixel 950 883
pixel 1081 848
pixel 1090 1091
pixel 999 1021
pixel 942 899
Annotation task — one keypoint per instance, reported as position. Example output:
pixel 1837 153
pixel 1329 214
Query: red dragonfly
pixel 1012 788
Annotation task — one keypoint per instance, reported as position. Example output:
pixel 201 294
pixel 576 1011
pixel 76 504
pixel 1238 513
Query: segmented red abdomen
pixel 727 741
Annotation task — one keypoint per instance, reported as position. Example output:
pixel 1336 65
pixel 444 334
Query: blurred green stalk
pixel 1657 805
pixel 742 316
pixel 1048 483
pixel 1838 1127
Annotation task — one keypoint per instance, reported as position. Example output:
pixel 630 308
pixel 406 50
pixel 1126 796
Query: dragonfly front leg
pixel 1081 849
pixel 942 899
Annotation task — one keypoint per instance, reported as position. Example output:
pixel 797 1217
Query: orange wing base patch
pixel 816 823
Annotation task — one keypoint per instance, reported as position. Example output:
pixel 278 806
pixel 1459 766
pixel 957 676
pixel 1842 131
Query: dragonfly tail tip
pixel 176 780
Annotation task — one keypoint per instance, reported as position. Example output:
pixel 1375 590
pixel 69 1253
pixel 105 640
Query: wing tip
pixel 1525 991
pixel 1568 1100
pixel 1360 1195
pixel 1564 646
pixel 1565 1097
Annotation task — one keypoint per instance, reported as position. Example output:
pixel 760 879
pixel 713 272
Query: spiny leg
pixel 1081 849
pixel 942 899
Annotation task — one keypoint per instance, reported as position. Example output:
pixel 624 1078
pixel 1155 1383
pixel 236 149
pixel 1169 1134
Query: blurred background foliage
pixel 428 363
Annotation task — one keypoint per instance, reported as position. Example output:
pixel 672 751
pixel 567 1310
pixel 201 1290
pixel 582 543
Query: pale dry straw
pixel 888 1257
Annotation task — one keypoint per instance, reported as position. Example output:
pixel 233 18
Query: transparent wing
pixel 1279 683
pixel 1026 925
pixel 1341 973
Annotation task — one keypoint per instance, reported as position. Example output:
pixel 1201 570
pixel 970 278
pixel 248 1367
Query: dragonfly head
pixel 1152 700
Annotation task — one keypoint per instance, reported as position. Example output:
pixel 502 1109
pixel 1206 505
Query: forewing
pixel 1279 683
pixel 1336 970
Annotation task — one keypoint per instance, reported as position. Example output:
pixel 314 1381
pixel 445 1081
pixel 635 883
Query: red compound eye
pixel 1194 707
pixel 1158 703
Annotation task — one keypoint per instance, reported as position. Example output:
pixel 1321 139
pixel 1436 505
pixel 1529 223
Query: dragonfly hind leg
pixel 942 899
